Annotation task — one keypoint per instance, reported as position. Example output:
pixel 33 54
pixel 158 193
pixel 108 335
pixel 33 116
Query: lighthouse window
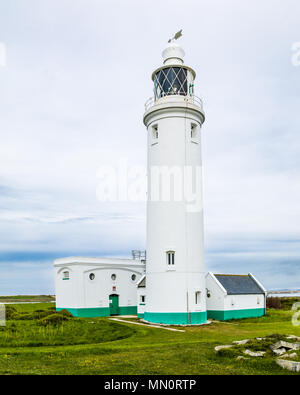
pixel 198 297
pixel 113 277
pixel 171 258
pixel 194 131
pixel 155 132
pixel 170 81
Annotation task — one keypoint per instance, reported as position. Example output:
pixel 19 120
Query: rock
pixel 286 345
pixel 241 357
pixel 293 355
pixel 279 351
pixel 218 348
pixel 254 354
pixel 241 341
pixel 293 337
pixel 261 338
pixel 289 365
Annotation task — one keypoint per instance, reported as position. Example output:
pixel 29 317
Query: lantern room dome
pixel 173 54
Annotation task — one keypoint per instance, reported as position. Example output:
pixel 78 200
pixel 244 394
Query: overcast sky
pixel 72 98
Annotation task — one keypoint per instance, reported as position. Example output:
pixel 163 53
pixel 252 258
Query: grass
pixel 108 347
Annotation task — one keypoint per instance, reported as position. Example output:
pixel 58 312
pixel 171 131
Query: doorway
pixel 114 304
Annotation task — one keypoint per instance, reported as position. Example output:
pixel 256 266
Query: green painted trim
pixel 128 310
pixel 93 312
pixel 140 316
pixel 64 279
pixel 142 304
pixel 87 312
pixel 194 318
pixel 223 315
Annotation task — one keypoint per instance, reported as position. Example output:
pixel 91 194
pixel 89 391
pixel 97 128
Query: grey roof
pixel 239 284
pixel 142 283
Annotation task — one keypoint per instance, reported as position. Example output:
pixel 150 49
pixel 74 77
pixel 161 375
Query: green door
pixel 114 304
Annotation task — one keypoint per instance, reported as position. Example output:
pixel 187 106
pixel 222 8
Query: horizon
pixel 74 78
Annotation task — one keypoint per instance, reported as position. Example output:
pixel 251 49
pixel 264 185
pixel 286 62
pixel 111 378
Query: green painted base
pixel 141 316
pixel 195 318
pixel 99 311
pixel 235 314
pixel 128 310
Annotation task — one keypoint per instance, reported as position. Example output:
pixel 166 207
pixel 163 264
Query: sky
pixel 72 91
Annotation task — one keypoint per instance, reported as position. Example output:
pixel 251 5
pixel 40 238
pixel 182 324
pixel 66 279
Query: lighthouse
pixel 175 270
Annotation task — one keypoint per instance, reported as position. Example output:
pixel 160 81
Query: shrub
pixel 11 312
pixel 274 303
pixel 65 313
pixel 53 319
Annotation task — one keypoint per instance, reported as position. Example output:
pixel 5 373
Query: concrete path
pixel 148 325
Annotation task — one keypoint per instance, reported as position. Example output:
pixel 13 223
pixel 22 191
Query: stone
pixel 240 357
pixel 286 345
pixel 289 365
pixel 293 337
pixel 218 348
pixel 293 355
pixel 241 341
pixel 261 338
pixel 279 351
pixel 254 354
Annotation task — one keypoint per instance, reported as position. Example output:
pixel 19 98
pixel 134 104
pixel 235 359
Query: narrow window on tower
pixel 155 133
pixel 170 258
pixel 194 131
pixel 198 297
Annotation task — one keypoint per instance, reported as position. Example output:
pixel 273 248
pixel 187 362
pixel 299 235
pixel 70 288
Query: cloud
pixel 71 100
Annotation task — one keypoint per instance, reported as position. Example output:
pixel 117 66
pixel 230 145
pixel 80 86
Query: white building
pixel 231 296
pixel 175 289
pixel 97 287
pixel 175 263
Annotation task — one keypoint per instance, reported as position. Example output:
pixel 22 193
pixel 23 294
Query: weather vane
pixel 176 37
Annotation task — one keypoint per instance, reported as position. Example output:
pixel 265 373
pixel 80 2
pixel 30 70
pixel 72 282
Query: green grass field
pixel 101 346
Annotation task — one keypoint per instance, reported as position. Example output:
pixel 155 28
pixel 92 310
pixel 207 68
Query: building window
pixel 258 300
pixel 142 299
pixel 170 258
pixel 155 132
pixel 170 81
pixel 113 277
pixel 66 275
pixel 92 276
pixel 133 277
pixel 197 297
pixel 194 131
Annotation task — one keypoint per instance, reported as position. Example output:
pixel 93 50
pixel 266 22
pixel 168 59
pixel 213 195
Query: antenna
pixel 176 36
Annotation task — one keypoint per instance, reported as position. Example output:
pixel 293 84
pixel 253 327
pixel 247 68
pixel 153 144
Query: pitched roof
pixel 239 284
pixel 142 282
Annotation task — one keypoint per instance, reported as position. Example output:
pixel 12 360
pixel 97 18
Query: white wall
pixel 217 295
pixel 82 292
pixel 240 302
pixel 170 225
pixel 141 307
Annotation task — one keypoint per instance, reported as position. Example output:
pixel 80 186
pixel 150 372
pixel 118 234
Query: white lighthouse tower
pixel 175 271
